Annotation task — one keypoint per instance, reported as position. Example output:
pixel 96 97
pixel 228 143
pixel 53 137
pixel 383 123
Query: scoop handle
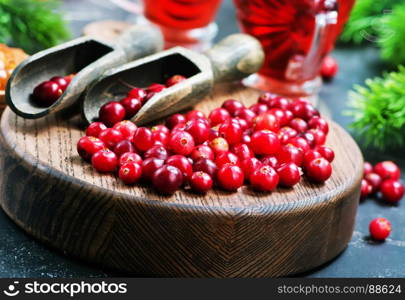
pixel 235 57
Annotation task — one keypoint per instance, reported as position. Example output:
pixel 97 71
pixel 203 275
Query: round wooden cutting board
pixel 59 199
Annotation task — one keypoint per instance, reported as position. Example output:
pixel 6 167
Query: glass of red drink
pixel 296 35
pixel 186 23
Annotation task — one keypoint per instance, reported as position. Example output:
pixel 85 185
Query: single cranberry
pixel 246 114
pixel 111 113
pixel 290 154
pixel 270 160
pixel 230 177
pixel 280 102
pixel 88 145
pixel 288 115
pixel 127 128
pixel 264 179
pixel 266 121
pixel 124 147
pixel 47 93
pixel 178 127
pixel 160 138
pixel 167 179
pixel 300 142
pixel 226 158
pixel 303 110
pixel 137 93
pixel 218 116
pixel 259 108
pixel 149 166
pixel 329 68
pixel 175 79
pixel 131 106
pixel 320 136
pixel 280 116
pixel 232 132
pixel 266 98
pixel 366 189
pixel 319 123
pixel 318 170
pixel 160 128
pixel 374 180
pixel 157 152
pixel 61 81
pixel 368 168
pixel 380 229
pixel 264 142
pixel 289 174
pixel 201 182
pixel 143 139
pixel 310 156
pixel 242 151
pixel 202 151
pixel 326 152
pixel 95 128
pixel 242 123
pixel 387 170
pixel 286 133
pixel 195 114
pixel 155 88
pixel 130 157
pixel 104 161
pixel 392 190
pixel 207 166
pixel 200 131
pixel 130 173
pixel 214 133
pixel 175 119
pixel 309 137
pixel 249 165
pixel 182 163
pixel 181 142
pixel 298 124
pixel 219 145
pixel 232 106
pixel 111 137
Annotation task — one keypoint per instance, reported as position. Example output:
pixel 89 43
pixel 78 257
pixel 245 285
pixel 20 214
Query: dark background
pixel 22 256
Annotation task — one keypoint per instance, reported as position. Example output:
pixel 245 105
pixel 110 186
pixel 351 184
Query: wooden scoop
pixel 233 58
pixel 86 57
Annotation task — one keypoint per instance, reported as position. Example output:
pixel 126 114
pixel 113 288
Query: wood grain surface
pixel 59 199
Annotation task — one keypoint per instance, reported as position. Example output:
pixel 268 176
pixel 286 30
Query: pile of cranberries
pixel 114 111
pixel 47 92
pixel 271 143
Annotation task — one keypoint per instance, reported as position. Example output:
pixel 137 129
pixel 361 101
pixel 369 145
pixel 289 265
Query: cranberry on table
pixel 266 121
pixel 319 123
pixel 156 151
pixel 160 128
pixel 155 88
pixel 368 168
pixel 230 177
pixel 218 116
pixel 231 131
pixel 143 139
pixel 194 114
pixel 61 81
pixel 319 135
pixel 266 98
pixel 167 179
pixel 202 151
pixel 95 128
pixel 111 137
pixel 232 106
pixel 175 79
pixel 374 180
pixel 290 154
pixel 300 142
pixel 88 145
pixel 281 116
pixel 149 166
pixel 249 165
pixel 131 106
pixel 104 161
pixel 380 229
pixel 200 131
pixel 124 147
pixel 289 174
pixel 279 102
pixel 286 133
pixel 127 128
pixel 130 173
pixel 303 110
pixel 181 143
pixel 111 113
pixel 259 108
pixel 219 145
pixel 298 124
pixel 242 151
pixel 365 189
pixel 318 170
pixel 246 114
pixel 175 119
pixel 47 93
pixel 264 179
pixel 207 166
pixel 329 68
pixel 310 156
pixel 130 157
pixel 270 160
pixel 182 163
pixel 326 152
pixel 264 142
pixel 392 190
pixel 387 170
pixel 201 182
pixel 160 138
pixel 226 158
pixel 137 93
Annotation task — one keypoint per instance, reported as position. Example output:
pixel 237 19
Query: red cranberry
pixel 214 133
pixel 320 136
pixel 218 116
pixel 47 93
pixel 123 147
pixel 266 121
pixel 230 177
pixel 289 174
pixel 326 152
pixel 232 132
pixel 232 106
pixel 175 119
pixel 392 190
pixel 137 93
pixel 303 110
pixel 143 139
pixel 249 165
pixel 88 145
pixel 280 102
pixel 131 106
pixel 380 229
pixel 286 133
pixel 155 88
pixel 309 137
pixel 387 170
pixel 160 138
pixel 318 170
pixel 368 168
pixel 167 179
pixel 246 139
pixel 246 114
pixel 299 125
pixel 202 151
pixel 329 68
pixel 280 116
pixel 366 189
pixel 300 142
pixel 318 123
pixel 182 163
pixel 226 158
pixel 127 128
pixel 259 108
pixel 264 179
pixel 194 114
pixel 290 154
pixel 219 145
pixel 111 137
pixel 266 98
pixel 270 160
pixel 207 166
pixel 198 130
pixel 175 79
pixel 264 142
pixel 111 113
pixel 181 143
pixel 201 182
pixel 149 166
pixel 95 128
pixel 160 128
pixel 130 157
pixel 130 173
pixel 104 161
pixel 178 127
pixel 242 123
pixel 61 81
pixel 156 152
pixel 310 156
pixel 242 151
pixel 374 180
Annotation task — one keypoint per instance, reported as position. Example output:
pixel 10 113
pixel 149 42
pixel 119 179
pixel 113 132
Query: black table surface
pixel 22 256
